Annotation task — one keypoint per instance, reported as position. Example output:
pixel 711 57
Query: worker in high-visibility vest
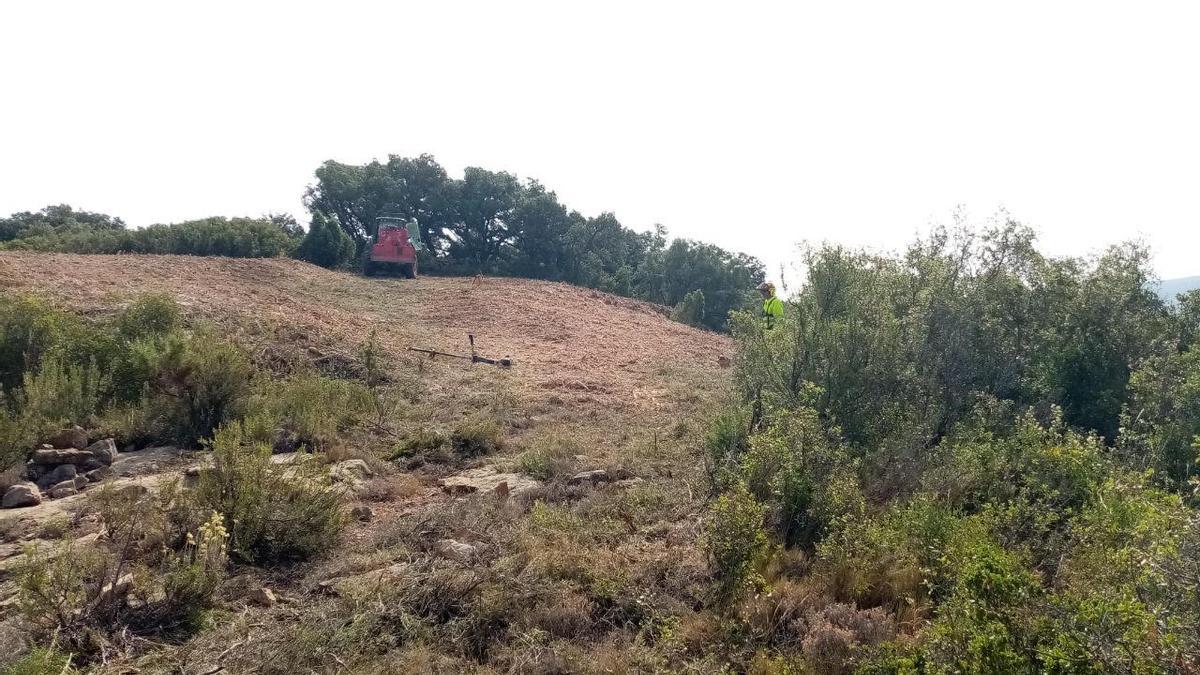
pixel 772 309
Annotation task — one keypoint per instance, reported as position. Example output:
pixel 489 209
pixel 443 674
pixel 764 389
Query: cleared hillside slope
pixel 581 345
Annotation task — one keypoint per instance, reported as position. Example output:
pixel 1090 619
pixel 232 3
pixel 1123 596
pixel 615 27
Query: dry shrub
pixel 838 631
pixel 698 632
pixel 392 488
pixel 336 452
pixel 567 615
pixel 780 618
pixel 10 476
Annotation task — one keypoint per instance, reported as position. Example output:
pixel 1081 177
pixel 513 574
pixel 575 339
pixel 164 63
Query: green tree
pixel 690 310
pixel 325 244
pixel 483 229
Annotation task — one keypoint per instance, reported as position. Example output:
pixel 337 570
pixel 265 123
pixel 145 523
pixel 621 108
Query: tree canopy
pixel 492 222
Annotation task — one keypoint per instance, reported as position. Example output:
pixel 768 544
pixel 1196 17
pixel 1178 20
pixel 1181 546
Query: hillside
pixel 599 383
pixel 584 345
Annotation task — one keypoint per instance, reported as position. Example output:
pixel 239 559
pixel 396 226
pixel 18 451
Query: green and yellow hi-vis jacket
pixel 772 311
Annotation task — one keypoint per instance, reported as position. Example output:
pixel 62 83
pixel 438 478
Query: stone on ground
pixel 487 479
pixel 74 437
pixel 21 495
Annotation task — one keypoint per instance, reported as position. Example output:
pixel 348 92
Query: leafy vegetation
pixel 995 449
pixel 492 223
pixel 61 229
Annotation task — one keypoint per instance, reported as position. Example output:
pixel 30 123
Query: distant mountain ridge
pixel 1169 288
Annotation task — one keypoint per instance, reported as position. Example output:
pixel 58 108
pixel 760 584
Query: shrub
pixel 736 541
pixel 310 410
pixel 477 436
pixel 326 244
pixel 191 575
pixel 275 513
pixel 231 237
pixel 29 329
pixel 986 625
pixel 549 457
pixel 150 315
pixel 690 310
pixel 200 383
pixel 56 394
pixel 42 661
pixel 422 441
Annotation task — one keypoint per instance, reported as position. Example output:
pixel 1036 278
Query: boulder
pixel 352 473
pixel 74 437
pixel 487 479
pixel 112 592
pixel 263 597
pixel 81 482
pixel 97 475
pixel 63 489
pixel 455 550
pixel 105 451
pixel 351 470
pixel 91 464
pixel 55 456
pixel 593 477
pixel 20 495
pixel 57 475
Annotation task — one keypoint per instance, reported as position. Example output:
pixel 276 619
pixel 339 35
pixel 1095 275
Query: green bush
pixel 989 623
pixel 42 661
pixel 423 440
pixel 326 244
pixel 805 477
pixel 153 315
pixel 477 436
pixel 736 541
pixel 276 513
pixel 310 410
pixel 231 237
pixel 690 310
pixel 200 382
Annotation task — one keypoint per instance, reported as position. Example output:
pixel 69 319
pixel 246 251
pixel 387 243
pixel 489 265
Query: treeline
pixel 486 222
pixel 65 230
pixel 990 455
pixel 493 223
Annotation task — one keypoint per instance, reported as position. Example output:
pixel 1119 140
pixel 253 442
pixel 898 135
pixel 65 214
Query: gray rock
pixel 81 482
pixel 487 479
pixel 455 550
pixel 351 469
pixel 91 464
pixel 54 456
pixel 57 475
pixel 97 475
pixel 74 437
pixel 63 484
pixel 20 495
pixel 63 489
pixel 112 592
pixel 105 451
pixel 592 477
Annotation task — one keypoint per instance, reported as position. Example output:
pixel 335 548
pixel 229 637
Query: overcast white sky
pixel 753 125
